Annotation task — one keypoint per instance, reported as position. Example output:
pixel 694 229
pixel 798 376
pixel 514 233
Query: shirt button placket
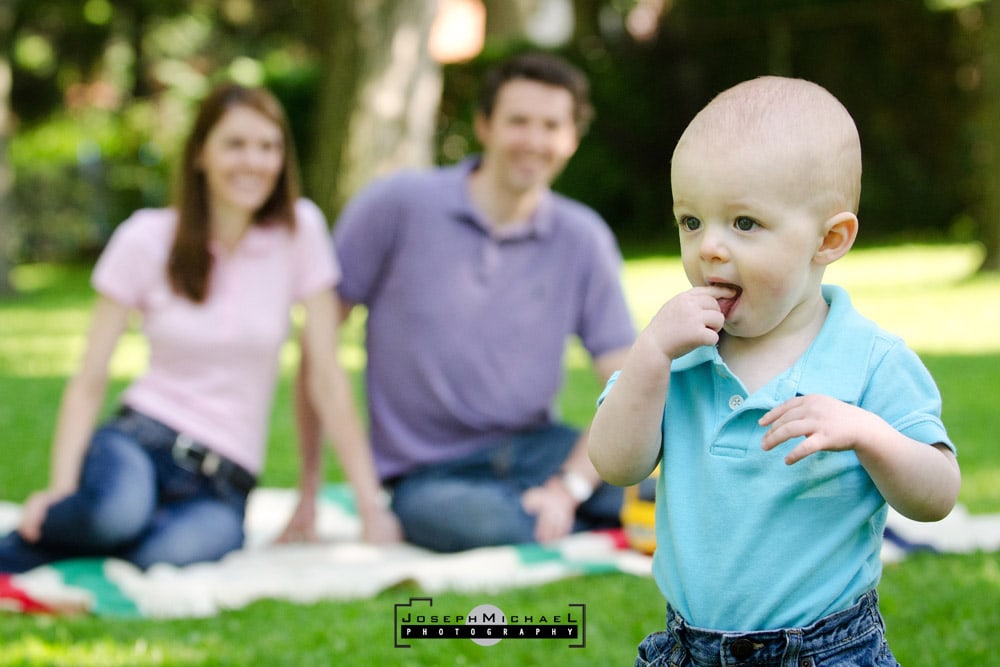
pixel 735 402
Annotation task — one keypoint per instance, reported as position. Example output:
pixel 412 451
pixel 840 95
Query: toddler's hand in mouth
pixel 726 303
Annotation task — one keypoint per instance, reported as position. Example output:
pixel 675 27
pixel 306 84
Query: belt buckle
pixel 190 456
pixel 210 463
pixel 181 451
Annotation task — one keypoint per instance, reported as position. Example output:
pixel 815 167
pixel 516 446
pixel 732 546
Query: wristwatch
pixel 577 485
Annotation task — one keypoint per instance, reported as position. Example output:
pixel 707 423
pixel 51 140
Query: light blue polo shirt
pixel 745 542
pixel 467 328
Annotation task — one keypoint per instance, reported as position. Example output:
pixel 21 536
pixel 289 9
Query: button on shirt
pixel 755 544
pixel 467 328
pixel 213 366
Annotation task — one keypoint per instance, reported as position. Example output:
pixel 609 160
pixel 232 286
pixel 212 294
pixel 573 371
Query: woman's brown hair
pixel 190 260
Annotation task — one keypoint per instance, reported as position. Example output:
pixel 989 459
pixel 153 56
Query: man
pixel 474 276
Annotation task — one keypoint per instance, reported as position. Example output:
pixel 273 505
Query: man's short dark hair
pixel 543 68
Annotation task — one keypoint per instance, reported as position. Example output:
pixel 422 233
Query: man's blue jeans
pixel 476 501
pixel 136 503
pixel 854 637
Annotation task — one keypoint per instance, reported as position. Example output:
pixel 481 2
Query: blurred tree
pixel 507 19
pixel 378 98
pixel 102 89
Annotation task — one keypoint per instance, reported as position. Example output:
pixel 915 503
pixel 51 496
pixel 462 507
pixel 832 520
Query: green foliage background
pixel 98 129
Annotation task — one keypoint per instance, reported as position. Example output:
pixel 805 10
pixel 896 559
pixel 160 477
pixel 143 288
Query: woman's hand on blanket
pixel 378 524
pixel 301 527
pixel 35 508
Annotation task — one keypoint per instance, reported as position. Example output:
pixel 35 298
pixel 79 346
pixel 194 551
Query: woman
pixel 166 479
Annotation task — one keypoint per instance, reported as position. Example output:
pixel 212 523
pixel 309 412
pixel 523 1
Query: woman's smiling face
pixel 242 159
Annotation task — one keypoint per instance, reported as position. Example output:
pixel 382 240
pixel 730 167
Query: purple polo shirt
pixel 466 331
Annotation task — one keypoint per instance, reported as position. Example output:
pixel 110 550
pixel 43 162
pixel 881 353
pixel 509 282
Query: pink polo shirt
pixel 213 366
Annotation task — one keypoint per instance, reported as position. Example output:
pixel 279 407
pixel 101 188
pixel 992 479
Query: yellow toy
pixel 639 514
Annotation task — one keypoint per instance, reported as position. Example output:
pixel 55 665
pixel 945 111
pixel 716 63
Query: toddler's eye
pixel 688 223
pixel 745 224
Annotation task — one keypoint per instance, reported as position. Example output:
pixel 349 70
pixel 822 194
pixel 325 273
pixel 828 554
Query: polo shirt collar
pixel 538 225
pixel 696 357
pixel 834 365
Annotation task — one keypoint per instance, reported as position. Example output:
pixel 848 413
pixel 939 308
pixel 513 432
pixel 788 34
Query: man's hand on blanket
pixel 379 525
pixel 554 510
pixel 301 527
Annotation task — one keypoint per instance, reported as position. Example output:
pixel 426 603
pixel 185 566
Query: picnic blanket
pixel 342 567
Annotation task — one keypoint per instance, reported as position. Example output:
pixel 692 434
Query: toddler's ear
pixel 840 232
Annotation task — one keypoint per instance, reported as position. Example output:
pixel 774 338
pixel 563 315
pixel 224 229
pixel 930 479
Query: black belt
pixel 195 457
pixel 198 458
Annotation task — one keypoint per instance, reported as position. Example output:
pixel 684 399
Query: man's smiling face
pixel 529 136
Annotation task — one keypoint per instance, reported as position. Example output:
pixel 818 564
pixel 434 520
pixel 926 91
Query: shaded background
pixel 95 98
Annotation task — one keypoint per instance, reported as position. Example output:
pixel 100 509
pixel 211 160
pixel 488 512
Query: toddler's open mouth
pixel 726 304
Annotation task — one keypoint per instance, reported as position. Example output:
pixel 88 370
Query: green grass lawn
pixel 940 610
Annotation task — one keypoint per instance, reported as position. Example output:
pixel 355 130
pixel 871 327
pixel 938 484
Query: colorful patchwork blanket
pixel 341 567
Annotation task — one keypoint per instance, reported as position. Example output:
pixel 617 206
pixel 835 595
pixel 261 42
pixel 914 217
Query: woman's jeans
pixel 854 637
pixel 135 502
pixel 476 501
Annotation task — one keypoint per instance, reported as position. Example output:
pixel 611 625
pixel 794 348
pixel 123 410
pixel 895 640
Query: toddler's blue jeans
pixel 137 503
pixel 854 637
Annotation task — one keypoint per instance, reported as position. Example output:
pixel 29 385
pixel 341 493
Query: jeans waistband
pixel 196 457
pixel 772 646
